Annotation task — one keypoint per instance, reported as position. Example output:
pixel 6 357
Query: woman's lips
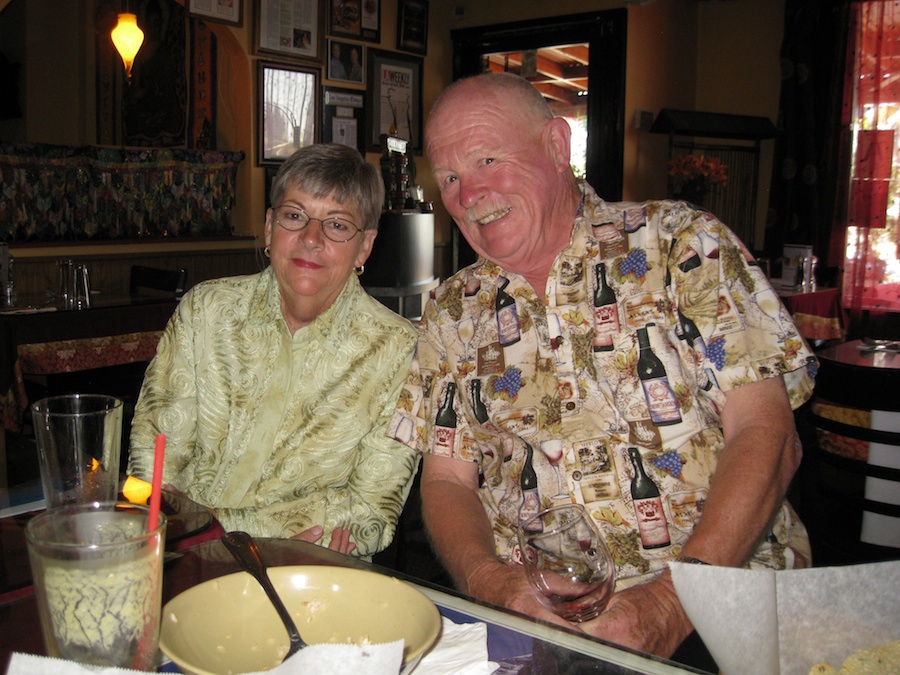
pixel 306 264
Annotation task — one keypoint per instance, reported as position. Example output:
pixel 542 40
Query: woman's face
pixel 310 268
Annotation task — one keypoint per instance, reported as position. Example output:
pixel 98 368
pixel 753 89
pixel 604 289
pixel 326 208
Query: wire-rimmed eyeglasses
pixel 338 230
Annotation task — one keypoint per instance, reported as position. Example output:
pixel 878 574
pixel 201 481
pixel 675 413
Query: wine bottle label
pixel 598 488
pixel 442 444
pixel 508 325
pixel 661 401
pixel 687 507
pixel 606 326
pixel 651 522
pixel 531 506
pixel 728 319
pixel 468 447
pixel 612 242
pixel 643 308
pixel 635 219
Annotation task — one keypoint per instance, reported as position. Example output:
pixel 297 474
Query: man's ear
pixel 558 137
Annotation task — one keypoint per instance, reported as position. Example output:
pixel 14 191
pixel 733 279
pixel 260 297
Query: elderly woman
pixel 274 390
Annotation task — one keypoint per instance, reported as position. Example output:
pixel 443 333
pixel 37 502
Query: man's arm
pixel 460 533
pixel 761 454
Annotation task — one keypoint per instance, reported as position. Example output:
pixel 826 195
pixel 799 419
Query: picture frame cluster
pixel 323 75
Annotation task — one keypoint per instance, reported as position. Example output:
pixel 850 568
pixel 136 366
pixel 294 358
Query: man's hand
pixel 340 538
pixel 647 617
pixel 507 585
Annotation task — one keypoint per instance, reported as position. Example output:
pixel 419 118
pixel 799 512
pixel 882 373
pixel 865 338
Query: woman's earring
pixel 359 270
pixel 266 252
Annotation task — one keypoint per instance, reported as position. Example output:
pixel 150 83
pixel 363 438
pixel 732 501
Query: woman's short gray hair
pixel 335 171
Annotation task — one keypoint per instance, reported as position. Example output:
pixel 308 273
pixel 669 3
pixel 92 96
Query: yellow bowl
pixel 228 625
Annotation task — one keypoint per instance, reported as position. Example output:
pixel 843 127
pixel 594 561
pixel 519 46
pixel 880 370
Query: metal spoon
pixel 244 549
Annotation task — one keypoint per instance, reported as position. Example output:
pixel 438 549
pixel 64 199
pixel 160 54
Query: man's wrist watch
pixel 690 560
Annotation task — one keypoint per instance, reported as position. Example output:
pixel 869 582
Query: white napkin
pixel 29 664
pixel 461 649
pixel 324 659
pixel 764 622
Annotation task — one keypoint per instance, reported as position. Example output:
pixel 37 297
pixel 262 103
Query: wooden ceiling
pixel 561 73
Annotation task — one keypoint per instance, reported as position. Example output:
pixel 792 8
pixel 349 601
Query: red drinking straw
pixel 156 486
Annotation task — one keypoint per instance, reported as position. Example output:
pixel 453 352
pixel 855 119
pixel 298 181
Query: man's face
pixel 497 176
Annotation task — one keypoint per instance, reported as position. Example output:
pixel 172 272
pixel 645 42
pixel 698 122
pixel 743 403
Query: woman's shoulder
pixel 225 293
pixel 227 286
pixel 373 317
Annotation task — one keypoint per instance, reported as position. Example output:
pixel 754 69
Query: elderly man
pixel 632 337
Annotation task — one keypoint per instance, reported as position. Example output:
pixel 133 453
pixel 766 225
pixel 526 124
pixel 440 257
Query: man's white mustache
pixel 486 214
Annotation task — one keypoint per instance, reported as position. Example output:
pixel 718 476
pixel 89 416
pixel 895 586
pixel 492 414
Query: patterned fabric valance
pixel 93 193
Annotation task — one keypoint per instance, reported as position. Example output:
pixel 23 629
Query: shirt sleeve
pixel 425 389
pixel 748 334
pixel 167 403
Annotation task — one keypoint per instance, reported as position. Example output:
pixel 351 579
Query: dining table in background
pixel 817 315
pixel 40 341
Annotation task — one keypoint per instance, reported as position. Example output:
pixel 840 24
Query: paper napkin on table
pixel 323 659
pixel 29 664
pixel 766 622
pixel 460 650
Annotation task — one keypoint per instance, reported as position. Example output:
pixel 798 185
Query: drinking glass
pixel 567 563
pixel 97 573
pixel 466 331
pixel 79 441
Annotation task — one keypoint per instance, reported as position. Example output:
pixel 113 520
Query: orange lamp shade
pixel 127 38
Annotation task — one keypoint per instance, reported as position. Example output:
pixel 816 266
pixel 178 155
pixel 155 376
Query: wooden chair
pixel 157 279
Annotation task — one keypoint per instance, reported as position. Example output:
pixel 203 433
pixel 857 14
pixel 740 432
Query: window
pixel 872 267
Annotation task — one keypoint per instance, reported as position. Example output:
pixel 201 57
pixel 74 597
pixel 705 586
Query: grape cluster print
pixel 510 382
pixel 670 462
pixel 634 264
pixel 715 352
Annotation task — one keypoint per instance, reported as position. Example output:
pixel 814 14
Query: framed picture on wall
pixel 412 26
pixel 346 62
pixel 394 98
pixel 226 11
pixel 355 19
pixel 343 112
pixel 288 110
pixel 289 28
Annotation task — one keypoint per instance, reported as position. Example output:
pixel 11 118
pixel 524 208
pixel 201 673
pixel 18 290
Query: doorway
pixel 578 62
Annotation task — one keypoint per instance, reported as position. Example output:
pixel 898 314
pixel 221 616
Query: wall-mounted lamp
pixel 127 38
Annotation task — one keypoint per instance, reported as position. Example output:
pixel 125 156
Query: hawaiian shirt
pixel 653 313
pixel 280 431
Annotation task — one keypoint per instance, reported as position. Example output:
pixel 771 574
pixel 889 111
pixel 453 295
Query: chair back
pixel 157 279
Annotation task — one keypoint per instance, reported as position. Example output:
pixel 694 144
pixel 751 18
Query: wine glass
pixel 555 330
pixel 466 331
pixel 567 563
pixel 770 305
pixel 553 451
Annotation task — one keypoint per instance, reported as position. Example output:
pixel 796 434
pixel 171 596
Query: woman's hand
pixel 340 538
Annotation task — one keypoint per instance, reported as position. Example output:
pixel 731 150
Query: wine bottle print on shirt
pixel 687 330
pixel 531 498
pixel 606 312
pixel 445 425
pixel 648 506
pixel 658 392
pixel 508 330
